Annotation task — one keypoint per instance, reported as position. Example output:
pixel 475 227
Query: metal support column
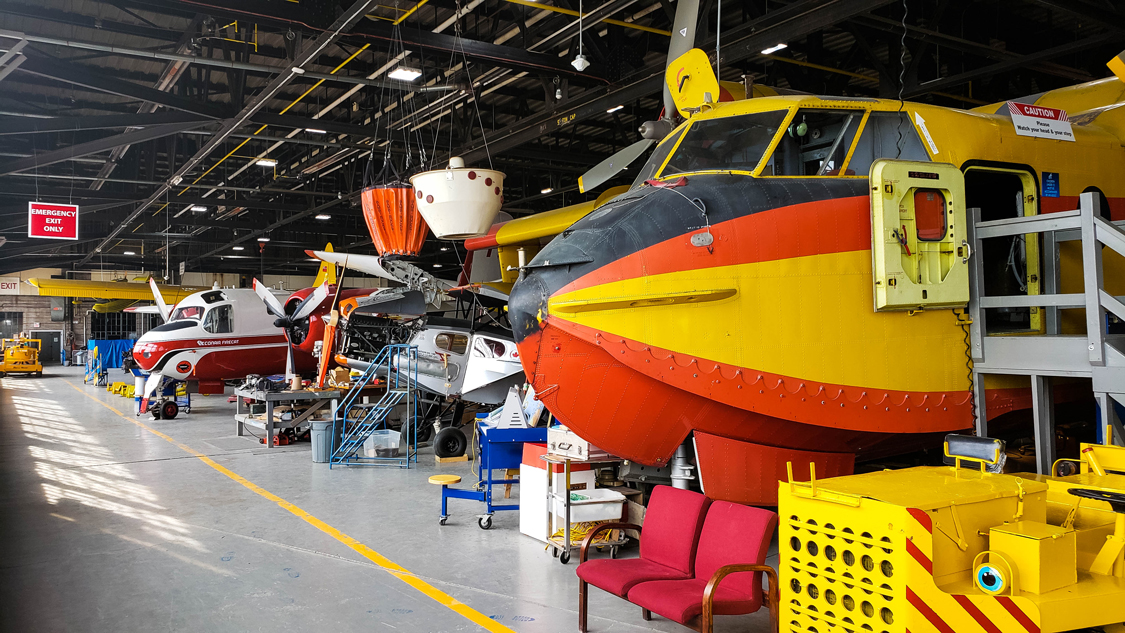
pixel 1112 430
pixel 1043 410
pixel 982 404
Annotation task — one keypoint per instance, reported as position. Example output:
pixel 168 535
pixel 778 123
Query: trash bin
pixel 321 435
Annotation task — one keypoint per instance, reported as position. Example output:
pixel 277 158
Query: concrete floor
pixel 106 526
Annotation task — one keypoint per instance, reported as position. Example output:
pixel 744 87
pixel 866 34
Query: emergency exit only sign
pixel 52 221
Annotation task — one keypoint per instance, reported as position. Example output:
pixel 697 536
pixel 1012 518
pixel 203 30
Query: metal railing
pixel 1096 354
pixel 355 421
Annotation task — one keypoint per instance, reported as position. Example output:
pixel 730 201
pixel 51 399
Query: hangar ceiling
pixel 154 115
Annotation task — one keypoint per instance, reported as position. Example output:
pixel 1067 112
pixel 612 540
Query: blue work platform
pixel 499 449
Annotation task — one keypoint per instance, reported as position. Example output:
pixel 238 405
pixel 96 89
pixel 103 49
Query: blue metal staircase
pixel 355 421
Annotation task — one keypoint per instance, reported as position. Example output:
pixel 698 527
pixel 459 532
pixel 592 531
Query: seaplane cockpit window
pixel 186 312
pixel 453 343
pixel 488 348
pixel 733 143
pixel 816 143
pixel 648 172
pixel 882 137
pixel 219 320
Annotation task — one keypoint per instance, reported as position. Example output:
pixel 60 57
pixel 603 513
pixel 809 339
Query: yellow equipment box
pixel 1043 554
pixel 947 549
pixel 21 356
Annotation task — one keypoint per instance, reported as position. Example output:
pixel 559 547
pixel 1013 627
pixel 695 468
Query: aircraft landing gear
pixel 450 442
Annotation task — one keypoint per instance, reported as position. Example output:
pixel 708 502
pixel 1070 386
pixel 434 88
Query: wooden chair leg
pixel 583 590
pixel 646 614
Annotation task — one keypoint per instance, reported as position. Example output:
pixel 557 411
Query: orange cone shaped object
pixel 394 222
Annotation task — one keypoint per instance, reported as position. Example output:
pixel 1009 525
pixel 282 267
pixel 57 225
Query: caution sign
pixel 52 221
pixel 1041 122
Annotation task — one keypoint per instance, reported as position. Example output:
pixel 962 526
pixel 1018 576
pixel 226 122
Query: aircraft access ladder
pixel 356 421
pixel 1097 355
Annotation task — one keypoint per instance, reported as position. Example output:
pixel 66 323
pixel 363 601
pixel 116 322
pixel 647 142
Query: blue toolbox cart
pixel 499 449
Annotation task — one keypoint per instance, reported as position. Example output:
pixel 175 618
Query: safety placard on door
pixel 52 221
pixel 1041 122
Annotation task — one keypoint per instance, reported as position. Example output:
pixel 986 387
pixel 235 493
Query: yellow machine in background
pixel 953 549
pixel 21 356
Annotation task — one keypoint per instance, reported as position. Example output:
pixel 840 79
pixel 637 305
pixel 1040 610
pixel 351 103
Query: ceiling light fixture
pixel 774 49
pixel 263 239
pixel 323 216
pixel 313 130
pixel 405 73
pixel 130 253
pixel 437 265
pixel 580 62
pixel 444 249
pixel 614 109
pixel 198 208
pixel 237 248
pixel 546 190
pixel 266 162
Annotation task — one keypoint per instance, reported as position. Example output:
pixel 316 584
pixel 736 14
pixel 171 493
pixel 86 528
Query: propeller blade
pixel 272 304
pixel 288 356
pixel 311 302
pixel 369 264
pixel 613 165
pixel 165 311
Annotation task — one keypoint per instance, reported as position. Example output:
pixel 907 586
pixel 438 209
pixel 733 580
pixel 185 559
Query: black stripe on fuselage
pixel 643 217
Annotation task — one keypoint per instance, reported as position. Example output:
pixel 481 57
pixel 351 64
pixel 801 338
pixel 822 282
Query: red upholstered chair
pixel 732 551
pixel 672 523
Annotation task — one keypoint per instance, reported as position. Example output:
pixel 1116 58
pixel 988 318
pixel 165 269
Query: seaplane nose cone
pixel 527 305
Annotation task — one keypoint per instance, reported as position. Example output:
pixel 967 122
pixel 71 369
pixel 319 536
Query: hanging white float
pixel 459 202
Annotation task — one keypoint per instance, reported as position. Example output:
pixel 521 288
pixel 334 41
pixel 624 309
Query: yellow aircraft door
pixel 919 239
pixel 1011 264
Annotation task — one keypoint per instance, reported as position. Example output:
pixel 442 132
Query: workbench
pixel 316 400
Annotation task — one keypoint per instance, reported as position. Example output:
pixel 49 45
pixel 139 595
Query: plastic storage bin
pixel 381 443
pixel 320 432
pixel 598 504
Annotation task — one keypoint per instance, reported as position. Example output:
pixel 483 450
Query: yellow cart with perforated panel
pixel 948 549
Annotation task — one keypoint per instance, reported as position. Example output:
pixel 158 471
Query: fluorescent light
pixel 614 109
pixel 547 190
pixel 266 162
pixel 323 216
pixel 237 248
pixel 130 253
pixel 313 130
pixel 774 49
pixel 263 239
pixel 405 73
pixel 444 248
pixel 437 265
pixel 198 208
pixel 297 71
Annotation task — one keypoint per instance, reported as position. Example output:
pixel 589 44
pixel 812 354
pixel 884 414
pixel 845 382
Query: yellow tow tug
pixel 957 549
pixel 21 356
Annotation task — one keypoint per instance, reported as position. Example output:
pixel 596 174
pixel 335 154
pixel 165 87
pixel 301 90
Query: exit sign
pixel 52 221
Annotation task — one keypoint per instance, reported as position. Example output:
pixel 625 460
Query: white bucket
pixel 459 202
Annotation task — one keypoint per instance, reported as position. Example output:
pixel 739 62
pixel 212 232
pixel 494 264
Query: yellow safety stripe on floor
pixel 385 563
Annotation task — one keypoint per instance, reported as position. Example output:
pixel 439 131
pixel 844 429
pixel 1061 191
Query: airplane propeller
pixel 613 165
pixel 165 311
pixel 289 321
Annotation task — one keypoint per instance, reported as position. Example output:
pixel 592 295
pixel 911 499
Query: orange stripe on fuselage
pixel 811 228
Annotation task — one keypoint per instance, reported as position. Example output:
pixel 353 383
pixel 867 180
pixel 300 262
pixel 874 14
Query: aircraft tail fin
pixel 1117 65
pixel 327 272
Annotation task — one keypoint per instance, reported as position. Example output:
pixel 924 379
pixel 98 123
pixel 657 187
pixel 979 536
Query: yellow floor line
pixel 387 564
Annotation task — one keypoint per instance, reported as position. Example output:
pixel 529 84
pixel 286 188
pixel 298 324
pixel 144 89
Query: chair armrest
pixel 772 596
pixel 604 526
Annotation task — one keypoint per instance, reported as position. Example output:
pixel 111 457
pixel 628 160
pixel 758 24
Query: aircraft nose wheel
pixel 169 410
